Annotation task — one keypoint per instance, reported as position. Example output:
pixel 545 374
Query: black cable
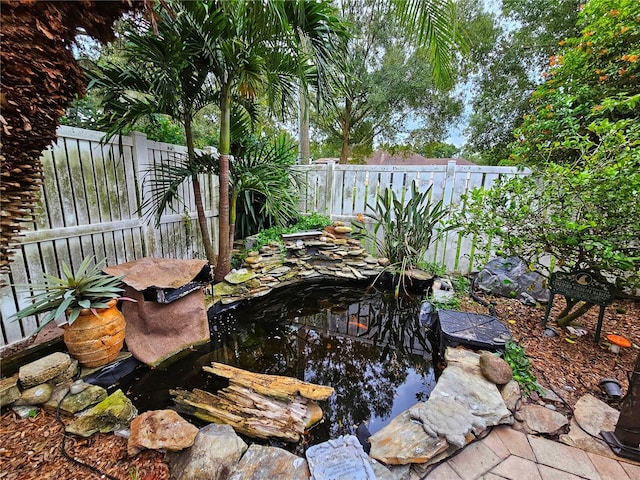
pixel 66 455
pixel 472 294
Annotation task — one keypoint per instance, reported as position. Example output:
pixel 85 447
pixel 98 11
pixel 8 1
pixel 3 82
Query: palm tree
pixel 163 71
pixel 264 48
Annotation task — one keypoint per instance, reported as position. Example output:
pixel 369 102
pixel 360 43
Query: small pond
pixel 367 345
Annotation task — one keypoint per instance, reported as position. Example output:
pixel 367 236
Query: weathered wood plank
pixel 271 385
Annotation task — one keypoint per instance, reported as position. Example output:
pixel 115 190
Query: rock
pixel 25 411
pixel 270 463
pixel 253 253
pixel 113 413
pixel 404 441
pixel 495 369
pixel 509 277
pixel 252 261
pixel 91 395
pixel 160 430
pixel 511 395
pixel 239 276
pixel 462 379
pixel 342 229
pixel 539 419
pixel 594 416
pixel 214 454
pixel 44 369
pixel 9 391
pixel 35 395
pixel 383 262
pixel 446 417
pixel 67 375
pixel 78 386
pixel 342 457
pixel 157 331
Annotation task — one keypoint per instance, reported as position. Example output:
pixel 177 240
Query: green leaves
pixel 403 227
pixel 516 357
pixel 89 287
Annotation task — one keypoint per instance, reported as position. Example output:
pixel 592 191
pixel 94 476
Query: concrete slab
pixel 563 457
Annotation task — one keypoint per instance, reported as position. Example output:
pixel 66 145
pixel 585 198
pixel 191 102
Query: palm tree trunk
pixel 224 249
pixel 346 127
pixel 197 196
pixel 233 203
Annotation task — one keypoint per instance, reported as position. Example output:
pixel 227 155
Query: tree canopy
pixel 580 208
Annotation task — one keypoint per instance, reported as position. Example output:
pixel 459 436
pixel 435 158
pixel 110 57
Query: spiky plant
pixel 88 288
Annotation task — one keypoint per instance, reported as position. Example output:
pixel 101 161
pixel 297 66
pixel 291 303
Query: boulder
pixel 35 395
pixel 44 369
pixel 214 454
pixel 511 277
pixel 511 395
pixel 495 369
pixel 113 413
pixel 160 430
pixel 91 395
pixel 538 419
pixel 9 391
pixel 270 463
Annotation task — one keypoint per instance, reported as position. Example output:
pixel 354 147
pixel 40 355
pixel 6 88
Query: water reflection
pixel 367 345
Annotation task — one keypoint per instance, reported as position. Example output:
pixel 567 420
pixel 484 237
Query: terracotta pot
pixel 96 340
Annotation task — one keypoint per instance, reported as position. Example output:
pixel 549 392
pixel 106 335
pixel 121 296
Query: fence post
pixel 142 165
pixel 330 178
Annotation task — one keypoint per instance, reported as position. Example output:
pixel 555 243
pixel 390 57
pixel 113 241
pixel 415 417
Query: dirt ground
pixel 570 366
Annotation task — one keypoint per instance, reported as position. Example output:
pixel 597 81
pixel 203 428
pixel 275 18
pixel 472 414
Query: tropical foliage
pixel 583 140
pixel 402 228
pixel 227 54
pixel 87 288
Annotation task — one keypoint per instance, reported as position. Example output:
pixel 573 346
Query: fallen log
pixel 271 385
pixel 256 405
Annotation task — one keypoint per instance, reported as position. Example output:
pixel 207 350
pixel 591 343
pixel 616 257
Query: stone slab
pixel 342 458
pixel 270 463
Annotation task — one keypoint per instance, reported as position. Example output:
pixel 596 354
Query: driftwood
pixel 257 405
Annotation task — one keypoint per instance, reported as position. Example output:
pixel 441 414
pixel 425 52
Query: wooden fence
pixel 93 192
pixel 90 204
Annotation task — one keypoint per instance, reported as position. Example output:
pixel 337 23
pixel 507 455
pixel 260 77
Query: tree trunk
pixel 224 249
pixel 197 196
pixel 346 127
pixel 304 151
pixel 566 319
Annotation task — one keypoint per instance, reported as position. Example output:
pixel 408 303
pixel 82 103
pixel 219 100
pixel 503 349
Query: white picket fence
pixel 343 191
pixel 92 193
pixel 90 205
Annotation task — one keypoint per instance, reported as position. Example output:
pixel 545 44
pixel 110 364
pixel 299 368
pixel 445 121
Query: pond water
pixel 367 345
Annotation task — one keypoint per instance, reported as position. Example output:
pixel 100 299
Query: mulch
pixel 571 367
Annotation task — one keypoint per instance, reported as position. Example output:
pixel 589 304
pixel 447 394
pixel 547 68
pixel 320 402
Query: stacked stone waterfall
pixel 318 255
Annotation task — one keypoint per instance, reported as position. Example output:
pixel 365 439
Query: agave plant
pixel 408 228
pixel 88 288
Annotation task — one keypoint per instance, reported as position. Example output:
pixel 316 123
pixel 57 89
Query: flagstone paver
pixel 516 442
pixel 608 468
pixel 475 460
pixel 443 472
pixel 563 457
pixel 494 442
pixel 632 470
pixel 549 473
pixel 517 468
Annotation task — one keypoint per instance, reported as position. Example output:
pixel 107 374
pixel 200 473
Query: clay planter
pixel 95 340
